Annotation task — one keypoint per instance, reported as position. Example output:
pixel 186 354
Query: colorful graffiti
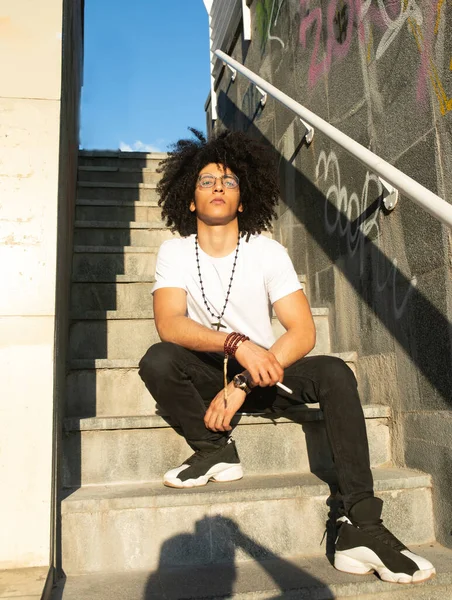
pixel 352 224
pixel 328 34
pixel 314 20
pixel 428 70
pixel 267 15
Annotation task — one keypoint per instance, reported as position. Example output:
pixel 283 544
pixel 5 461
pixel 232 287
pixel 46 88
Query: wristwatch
pixel 241 382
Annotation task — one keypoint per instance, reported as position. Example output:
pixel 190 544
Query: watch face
pixel 240 381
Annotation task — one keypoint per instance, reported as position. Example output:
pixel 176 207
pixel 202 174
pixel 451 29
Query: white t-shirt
pixel 263 274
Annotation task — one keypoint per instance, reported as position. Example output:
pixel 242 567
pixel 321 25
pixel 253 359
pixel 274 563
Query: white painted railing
pixel 407 186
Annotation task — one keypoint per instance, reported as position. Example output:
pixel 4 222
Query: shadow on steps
pixel 217 580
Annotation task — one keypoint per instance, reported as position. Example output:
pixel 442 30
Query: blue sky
pixel 146 72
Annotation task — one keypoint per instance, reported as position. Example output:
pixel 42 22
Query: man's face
pixel 219 203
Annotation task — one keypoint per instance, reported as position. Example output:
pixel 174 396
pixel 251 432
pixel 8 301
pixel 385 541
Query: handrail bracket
pixel 233 71
pixel 263 94
pixel 309 133
pixel 390 195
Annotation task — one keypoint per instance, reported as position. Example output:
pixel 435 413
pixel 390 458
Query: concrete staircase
pixel 125 535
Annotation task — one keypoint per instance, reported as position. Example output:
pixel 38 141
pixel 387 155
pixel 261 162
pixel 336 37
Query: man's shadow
pixel 222 578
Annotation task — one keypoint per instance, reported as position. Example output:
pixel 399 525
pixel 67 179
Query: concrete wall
pixel 32 111
pixel 381 73
pixel 72 74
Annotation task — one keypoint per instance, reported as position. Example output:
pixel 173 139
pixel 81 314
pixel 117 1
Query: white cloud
pixel 139 146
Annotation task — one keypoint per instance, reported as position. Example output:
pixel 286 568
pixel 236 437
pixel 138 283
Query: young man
pixel 214 290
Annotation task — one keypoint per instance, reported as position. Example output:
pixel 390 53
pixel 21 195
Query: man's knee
pixel 158 360
pixel 336 373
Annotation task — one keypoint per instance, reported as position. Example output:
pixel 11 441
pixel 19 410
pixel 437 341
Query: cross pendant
pixel 218 325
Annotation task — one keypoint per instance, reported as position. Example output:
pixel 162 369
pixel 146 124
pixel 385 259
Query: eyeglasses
pixel 206 181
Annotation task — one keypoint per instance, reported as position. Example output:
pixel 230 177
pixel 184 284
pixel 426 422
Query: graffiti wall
pixel 381 72
pixel 327 30
pixel 377 26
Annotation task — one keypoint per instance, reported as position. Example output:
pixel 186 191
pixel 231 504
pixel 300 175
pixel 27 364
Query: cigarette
pixel 284 387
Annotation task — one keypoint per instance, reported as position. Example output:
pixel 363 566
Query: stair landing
pixel 297 577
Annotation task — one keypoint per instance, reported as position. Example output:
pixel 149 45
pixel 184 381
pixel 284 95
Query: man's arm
pixel 295 316
pixel 170 308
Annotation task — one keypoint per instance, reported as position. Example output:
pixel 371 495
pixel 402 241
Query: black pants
pixel 184 383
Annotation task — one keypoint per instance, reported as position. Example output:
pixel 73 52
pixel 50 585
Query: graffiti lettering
pixel 349 222
pixel 274 21
pixel 334 47
pixel 351 206
pixel 267 13
pixel 316 68
pixel 410 10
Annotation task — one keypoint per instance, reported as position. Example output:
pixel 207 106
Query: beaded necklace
pixel 219 317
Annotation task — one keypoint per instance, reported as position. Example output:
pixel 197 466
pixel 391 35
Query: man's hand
pixel 218 416
pixel 262 365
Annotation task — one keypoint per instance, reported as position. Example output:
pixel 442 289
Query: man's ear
pixel 240 207
pixel 192 206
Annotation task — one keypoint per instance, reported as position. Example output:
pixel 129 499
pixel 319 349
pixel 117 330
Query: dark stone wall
pixel 381 73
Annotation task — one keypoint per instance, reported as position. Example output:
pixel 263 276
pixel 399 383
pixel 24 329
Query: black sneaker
pixel 364 545
pixel 211 463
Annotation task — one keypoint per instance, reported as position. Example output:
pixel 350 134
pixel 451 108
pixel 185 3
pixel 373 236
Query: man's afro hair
pixel 252 162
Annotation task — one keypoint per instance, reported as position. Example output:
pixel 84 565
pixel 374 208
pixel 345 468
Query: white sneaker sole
pixel 344 562
pixel 222 472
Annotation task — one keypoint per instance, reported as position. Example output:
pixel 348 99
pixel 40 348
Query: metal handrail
pixel 410 188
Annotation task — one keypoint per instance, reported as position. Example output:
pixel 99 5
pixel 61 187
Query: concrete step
pixel 119 338
pixel 89 297
pixel 116 333
pixel 95 387
pixel 127 279
pixel 116 528
pixel 130 192
pixel 106 388
pixel 263 577
pixel 106 296
pixel 118 159
pixel 320 314
pixel 110 450
pixel 113 174
pixel 107 202
pixel 120 233
pixel 117 211
pixel 103 263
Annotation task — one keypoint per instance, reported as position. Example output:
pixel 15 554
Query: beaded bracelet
pixel 231 345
